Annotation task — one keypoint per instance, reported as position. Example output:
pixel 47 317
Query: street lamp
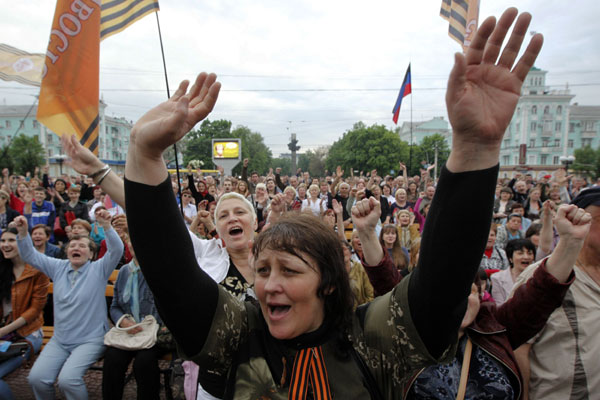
pixel 567 160
pixel 60 158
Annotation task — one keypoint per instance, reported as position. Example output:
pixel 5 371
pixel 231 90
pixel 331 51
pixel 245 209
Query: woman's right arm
pixel 185 296
pixel 29 254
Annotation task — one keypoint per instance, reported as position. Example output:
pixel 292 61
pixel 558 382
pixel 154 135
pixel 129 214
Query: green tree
pixel 199 145
pixel 27 153
pixel 254 149
pixel 365 148
pixel 587 161
pixel 284 163
pixel 199 142
pixel 426 152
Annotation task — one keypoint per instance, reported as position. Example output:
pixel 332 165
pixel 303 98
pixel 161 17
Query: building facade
pixel 545 127
pixel 422 129
pixel 113 140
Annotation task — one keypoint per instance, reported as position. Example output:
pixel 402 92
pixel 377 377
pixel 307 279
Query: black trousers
pixel 145 370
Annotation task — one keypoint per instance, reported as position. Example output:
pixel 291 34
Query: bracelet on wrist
pixel 103 176
pixel 99 172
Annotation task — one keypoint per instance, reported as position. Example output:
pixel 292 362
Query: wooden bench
pixel 48 332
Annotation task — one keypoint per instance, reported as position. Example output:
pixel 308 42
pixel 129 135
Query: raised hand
pixel 365 214
pixel 20 224
pixel 246 161
pixel 168 122
pixel 82 159
pixel 337 207
pixel 483 90
pixel 572 222
pixel 278 203
pixel 103 218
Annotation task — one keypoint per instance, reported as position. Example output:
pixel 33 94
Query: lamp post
pixel 60 158
pixel 567 160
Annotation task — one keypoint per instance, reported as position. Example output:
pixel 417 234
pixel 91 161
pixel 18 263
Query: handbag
pixel 120 338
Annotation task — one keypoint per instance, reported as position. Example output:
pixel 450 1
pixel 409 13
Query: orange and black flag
pixel 69 94
pixel 462 17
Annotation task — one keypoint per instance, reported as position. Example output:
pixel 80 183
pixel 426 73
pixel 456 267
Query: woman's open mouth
pixel 236 231
pixel 278 311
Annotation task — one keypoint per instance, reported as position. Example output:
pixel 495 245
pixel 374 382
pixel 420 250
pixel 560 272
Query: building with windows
pixel 422 129
pixel 545 127
pixel 113 136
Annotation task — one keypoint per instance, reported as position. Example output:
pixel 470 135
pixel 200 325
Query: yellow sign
pixel 226 150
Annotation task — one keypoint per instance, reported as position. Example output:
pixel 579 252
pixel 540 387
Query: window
pixel 36 124
pixel 586 142
pixel 558 126
pixel 531 142
pixel 570 143
pixel 556 160
pixel 544 159
pixel 531 159
pixel 518 110
pixel 534 109
pixel 589 126
pixel 506 143
pixel 571 127
pixel 534 126
pixel 546 110
pixel 547 126
pixel 518 127
pixel 545 142
pixel 8 124
pixel 516 159
pixel 49 138
pixel 559 110
pixel 556 142
pixel 505 160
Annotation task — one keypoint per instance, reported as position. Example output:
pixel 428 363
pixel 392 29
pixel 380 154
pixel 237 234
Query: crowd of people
pixel 294 286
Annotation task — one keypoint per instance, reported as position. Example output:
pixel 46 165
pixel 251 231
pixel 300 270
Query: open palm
pixel 168 122
pixel 483 89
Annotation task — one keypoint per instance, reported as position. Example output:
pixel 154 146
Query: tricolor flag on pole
pixel 69 95
pixel 462 16
pixel 405 90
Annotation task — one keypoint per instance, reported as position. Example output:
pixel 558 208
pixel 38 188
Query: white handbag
pixel 121 339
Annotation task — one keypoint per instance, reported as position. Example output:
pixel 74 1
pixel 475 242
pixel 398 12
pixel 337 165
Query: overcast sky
pixel 311 67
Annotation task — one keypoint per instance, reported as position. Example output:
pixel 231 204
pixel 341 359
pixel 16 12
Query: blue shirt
pixel 80 313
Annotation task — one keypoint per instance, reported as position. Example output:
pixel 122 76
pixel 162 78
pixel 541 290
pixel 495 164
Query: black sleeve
pixel 185 296
pixel 45 181
pixel 278 182
pixel 452 245
pixel 192 186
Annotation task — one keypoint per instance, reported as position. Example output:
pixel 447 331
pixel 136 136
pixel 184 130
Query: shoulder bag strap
pixel 464 372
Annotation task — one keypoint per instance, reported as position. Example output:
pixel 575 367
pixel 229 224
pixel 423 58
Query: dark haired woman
pixel 23 292
pixel 302 338
pixel 520 253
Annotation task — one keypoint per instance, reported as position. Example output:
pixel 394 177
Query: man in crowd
pixel 42 211
pixel 73 209
pixel 562 361
pixel 40 234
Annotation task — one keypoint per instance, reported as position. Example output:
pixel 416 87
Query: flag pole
pixel 411 125
pixel 162 52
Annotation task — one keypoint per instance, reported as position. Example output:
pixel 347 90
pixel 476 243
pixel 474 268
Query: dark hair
pixel 516 205
pixel 44 227
pixel 534 229
pixel 6 271
pixel 301 235
pixel 518 244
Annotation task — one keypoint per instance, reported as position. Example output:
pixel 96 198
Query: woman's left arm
pixel 114 244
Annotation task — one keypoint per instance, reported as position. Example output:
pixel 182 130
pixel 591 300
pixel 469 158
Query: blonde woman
pixel 313 203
